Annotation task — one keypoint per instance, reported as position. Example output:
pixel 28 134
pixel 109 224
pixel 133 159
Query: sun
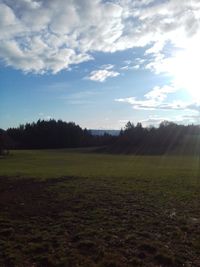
pixel 185 70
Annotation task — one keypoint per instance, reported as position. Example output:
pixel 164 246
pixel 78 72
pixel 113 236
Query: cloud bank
pixel 41 36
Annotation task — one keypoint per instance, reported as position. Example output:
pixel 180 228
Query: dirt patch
pixel 86 222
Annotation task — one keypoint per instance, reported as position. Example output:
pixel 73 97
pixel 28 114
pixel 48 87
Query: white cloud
pixel 139 104
pixel 129 67
pixel 154 121
pixel 135 64
pixel 160 93
pixel 102 75
pixel 44 116
pixel 40 36
pixel 152 100
pixel 180 119
pixel 152 105
pixel 156 100
pixel 107 66
pixel 7 16
pixel 136 67
pixel 125 67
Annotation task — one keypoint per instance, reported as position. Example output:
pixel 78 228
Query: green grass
pixel 59 163
pixel 68 208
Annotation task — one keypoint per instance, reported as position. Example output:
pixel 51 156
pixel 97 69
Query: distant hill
pixel 102 132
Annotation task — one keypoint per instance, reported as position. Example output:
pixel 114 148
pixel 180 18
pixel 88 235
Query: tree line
pixel 168 137
pixel 49 134
pixel 136 139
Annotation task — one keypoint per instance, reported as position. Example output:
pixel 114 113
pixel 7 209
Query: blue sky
pixel 99 63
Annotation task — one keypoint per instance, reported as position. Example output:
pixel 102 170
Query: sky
pixel 99 63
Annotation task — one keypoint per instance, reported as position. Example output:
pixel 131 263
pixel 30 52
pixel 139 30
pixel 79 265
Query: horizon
pixel 100 63
pixel 103 129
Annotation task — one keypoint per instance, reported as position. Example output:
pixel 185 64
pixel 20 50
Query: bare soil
pixel 95 223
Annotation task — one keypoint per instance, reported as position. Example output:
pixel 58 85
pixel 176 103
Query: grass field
pixel 72 208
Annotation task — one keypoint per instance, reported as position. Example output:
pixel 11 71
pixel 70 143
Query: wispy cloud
pixel 102 75
pixel 149 104
pixel 180 119
pixel 83 97
pixel 156 100
pixel 158 94
pixel 44 116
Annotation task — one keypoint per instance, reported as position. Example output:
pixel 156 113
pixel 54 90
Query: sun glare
pixel 185 70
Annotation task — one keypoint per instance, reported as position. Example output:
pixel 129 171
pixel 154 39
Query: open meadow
pixel 78 208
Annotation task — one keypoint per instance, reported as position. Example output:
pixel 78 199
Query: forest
pixel 49 135
pixel 134 139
